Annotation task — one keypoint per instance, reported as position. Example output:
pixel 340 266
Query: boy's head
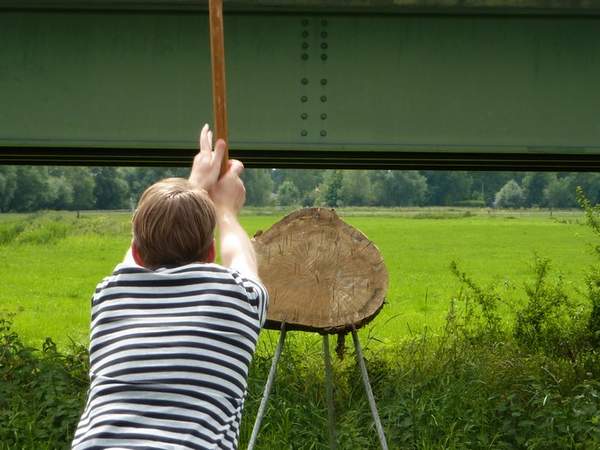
pixel 173 225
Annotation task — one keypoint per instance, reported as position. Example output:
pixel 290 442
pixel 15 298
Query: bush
pixel 549 321
pixel 38 228
pixel 41 392
pixel 471 387
pixel 593 278
pixel 478 318
pixel 10 230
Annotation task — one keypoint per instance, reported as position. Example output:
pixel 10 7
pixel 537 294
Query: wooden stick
pixel 217 58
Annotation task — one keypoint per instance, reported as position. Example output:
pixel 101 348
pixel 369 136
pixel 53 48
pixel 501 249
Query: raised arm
pixel 228 194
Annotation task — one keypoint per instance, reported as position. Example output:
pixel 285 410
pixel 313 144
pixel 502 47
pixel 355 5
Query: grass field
pixel 533 382
pixel 51 262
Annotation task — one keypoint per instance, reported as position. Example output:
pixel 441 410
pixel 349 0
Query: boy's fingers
pixel 204 148
pixel 235 167
pixel 220 148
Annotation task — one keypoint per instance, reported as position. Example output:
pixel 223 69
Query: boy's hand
pixel 228 193
pixel 207 164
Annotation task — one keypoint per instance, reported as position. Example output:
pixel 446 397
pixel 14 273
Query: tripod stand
pixel 328 388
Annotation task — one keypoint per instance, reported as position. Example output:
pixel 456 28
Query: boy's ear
pixel 211 255
pixel 136 255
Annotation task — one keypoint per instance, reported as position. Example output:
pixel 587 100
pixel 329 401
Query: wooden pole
pixel 217 58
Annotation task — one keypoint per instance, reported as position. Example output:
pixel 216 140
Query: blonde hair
pixel 173 224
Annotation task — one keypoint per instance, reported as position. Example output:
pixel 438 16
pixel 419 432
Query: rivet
pixel 323 98
pixel 304 22
pixel 305 34
pixel 323 133
pixel 304 81
pixel 324 22
pixel 323 81
pixel 324 45
pixel 324 34
pixel 304 99
pixel 304 116
pixel 305 45
pixel 323 56
pixel 323 116
pixel 304 133
pixel 304 56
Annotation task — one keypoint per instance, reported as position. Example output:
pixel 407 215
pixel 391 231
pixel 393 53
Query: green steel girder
pixel 305 89
pixel 320 6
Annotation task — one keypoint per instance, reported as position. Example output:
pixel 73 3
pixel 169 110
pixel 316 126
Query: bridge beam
pixel 305 89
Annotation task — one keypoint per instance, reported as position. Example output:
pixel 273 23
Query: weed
pixel 41 392
pixel 480 317
pixel 592 281
pixel 549 321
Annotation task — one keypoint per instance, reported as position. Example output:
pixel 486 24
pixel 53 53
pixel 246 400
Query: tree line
pixel 30 188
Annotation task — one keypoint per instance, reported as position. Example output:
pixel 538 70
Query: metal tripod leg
pixel 263 403
pixel 368 390
pixel 329 392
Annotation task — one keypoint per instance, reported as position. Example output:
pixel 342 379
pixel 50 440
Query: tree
pixel 534 184
pixel 287 194
pixel 83 184
pixel 589 182
pixel 259 186
pixel 305 180
pixel 487 184
pixel 330 189
pixel 140 178
pixel 31 190
pixel 60 192
pixel 356 189
pixel 399 187
pixel 111 190
pixel 560 193
pixel 510 196
pixel 449 187
pixel 8 186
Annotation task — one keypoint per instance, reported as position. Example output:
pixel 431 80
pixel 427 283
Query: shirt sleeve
pixel 258 296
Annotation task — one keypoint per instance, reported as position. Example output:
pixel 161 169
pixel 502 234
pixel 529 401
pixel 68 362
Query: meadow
pixel 51 262
pixel 499 353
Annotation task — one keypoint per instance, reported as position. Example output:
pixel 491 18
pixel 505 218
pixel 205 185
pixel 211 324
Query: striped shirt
pixel 169 357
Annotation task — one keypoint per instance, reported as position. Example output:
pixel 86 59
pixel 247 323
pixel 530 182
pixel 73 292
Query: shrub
pixel 592 214
pixel 549 320
pixel 479 317
pixel 41 392
pixel 10 230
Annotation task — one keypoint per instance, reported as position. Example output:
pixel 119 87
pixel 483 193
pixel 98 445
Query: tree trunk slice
pixel 322 274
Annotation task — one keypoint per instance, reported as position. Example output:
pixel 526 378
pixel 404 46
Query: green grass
pixel 473 386
pixel 52 262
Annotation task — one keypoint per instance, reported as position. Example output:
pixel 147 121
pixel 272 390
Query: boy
pixel 172 333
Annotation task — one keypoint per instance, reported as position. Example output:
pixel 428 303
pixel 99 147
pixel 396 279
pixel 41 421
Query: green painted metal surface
pixel 136 85
pixel 358 6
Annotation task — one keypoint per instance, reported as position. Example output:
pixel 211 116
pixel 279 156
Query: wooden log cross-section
pixel 321 273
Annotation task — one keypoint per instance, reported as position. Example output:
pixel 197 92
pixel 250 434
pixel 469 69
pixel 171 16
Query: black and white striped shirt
pixel 169 357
